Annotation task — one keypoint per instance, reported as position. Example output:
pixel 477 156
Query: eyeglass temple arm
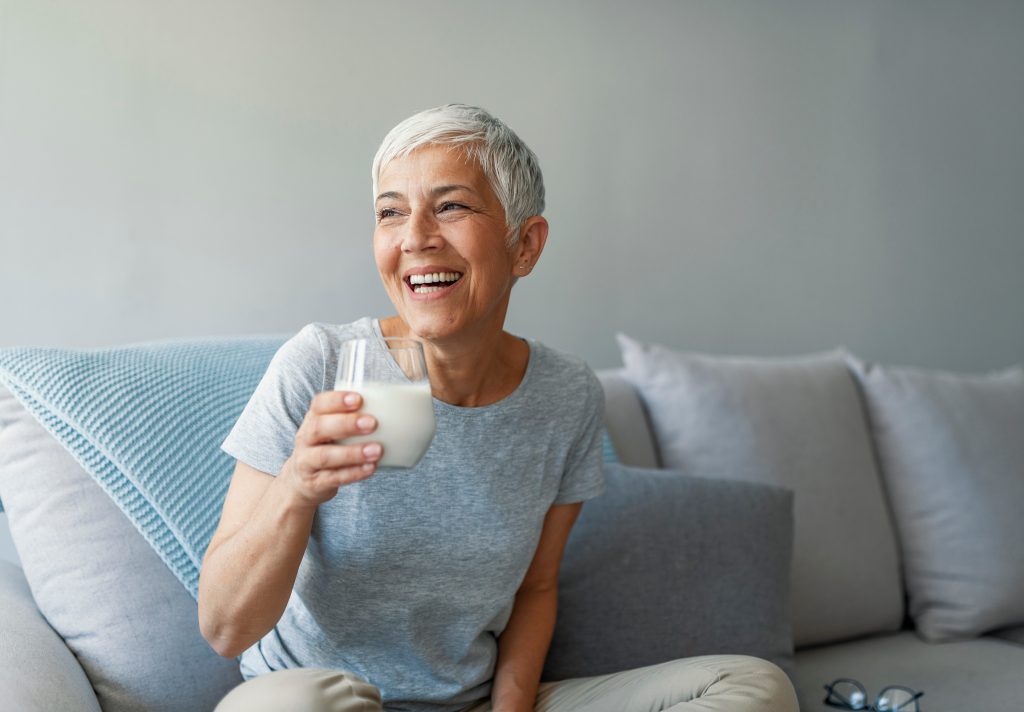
pixel 912 699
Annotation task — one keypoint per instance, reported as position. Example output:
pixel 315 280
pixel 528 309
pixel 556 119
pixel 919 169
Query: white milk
pixel 405 420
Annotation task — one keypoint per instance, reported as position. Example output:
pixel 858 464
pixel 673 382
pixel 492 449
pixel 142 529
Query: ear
pixel 532 236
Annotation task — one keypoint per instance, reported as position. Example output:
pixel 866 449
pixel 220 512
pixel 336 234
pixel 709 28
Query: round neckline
pixel 515 394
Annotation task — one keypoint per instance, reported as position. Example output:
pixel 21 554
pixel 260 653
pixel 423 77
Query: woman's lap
pixel 736 683
pixel 710 683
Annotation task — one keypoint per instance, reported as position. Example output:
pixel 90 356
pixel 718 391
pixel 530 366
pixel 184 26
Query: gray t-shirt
pixel 410 575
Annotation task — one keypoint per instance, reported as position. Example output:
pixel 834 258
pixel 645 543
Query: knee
pixel 764 681
pixel 301 690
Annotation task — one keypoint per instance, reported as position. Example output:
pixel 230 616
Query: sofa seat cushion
pixel 798 423
pixel 130 623
pixel 984 673
pixel 665 566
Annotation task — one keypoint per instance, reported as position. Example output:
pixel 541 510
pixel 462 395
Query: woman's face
pixel 440 245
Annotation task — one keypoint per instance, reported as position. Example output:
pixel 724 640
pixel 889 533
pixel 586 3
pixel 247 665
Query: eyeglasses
pixel 848 694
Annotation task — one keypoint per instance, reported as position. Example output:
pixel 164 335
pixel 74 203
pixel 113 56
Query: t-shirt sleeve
pixel 584 474
pixel 264 434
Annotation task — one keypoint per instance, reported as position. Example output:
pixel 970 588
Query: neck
pixel 469 372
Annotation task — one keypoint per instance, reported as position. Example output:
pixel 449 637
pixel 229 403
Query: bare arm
pixel 524 643
pixel 249 568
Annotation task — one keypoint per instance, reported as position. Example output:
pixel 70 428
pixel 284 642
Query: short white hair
pixel 509 164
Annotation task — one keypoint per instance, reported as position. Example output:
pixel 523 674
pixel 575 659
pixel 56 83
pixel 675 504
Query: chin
pixel 432 328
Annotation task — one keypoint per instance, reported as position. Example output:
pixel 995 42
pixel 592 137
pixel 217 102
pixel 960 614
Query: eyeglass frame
pixel 915 696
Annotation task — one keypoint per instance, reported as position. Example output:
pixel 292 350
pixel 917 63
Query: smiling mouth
pixel 427 283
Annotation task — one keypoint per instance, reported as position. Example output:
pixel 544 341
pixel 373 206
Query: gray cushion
pixel 795 422
pixel 951 448
pixel 626 420
pixel 129 621
pixel 981 674
pixel 56 680
pixel 665 566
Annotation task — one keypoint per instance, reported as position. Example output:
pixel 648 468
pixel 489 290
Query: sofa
pixel 841 518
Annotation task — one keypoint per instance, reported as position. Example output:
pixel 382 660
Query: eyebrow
pixel 434 192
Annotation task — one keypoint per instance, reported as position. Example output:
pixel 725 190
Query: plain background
pixel 765 177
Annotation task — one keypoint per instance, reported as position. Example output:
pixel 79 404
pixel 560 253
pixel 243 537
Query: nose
pixel 421 233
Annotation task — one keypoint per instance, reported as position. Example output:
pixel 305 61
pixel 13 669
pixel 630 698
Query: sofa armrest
pixel 37 671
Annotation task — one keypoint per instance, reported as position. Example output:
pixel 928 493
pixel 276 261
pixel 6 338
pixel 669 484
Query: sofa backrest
pixel 626 419
pixel 796 423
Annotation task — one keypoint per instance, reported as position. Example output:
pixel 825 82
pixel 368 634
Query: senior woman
pixel 344 586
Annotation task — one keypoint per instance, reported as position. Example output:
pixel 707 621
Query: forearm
pixel 247 578
pixel 522 647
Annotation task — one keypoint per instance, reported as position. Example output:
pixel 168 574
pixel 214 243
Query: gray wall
pixel 734 177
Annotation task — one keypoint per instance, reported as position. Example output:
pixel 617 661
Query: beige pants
pixel 724 683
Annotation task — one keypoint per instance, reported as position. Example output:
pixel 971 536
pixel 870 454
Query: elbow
pixel 219 637
pixel 225 645
pixel 226 650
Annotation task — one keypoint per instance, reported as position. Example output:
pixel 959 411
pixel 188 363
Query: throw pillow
pixel 951 448
pixel 147 421
pixel 799 423
pixel 664 566
pixel 132 626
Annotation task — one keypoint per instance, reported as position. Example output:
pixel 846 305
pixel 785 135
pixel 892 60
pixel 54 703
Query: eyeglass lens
pixel 891 699
pixel 895 699
pixel 850 694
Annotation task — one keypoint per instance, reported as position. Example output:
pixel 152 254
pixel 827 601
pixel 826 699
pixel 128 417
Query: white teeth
pixel 435 277
pixel 423 289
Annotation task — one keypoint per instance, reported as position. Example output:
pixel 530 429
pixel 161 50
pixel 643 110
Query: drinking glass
pixel 390 373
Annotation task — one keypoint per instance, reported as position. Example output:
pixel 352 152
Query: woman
pixel 435 588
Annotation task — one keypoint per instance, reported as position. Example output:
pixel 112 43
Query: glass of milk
pixel 390 373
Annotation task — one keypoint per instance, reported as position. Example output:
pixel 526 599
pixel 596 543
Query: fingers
pixel 335 402
pixel 319 465
pixel 350 475
pixel 320 470
pixel 322 458
pixel 320 428
pixel 326 483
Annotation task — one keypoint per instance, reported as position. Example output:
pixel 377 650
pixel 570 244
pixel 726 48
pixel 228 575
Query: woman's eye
pixel 451 206
pixel 386 213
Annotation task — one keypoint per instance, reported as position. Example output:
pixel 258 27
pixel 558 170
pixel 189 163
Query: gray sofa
pixel 821 427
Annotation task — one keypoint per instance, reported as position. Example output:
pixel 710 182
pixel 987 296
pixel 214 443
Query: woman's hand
pixel 318 466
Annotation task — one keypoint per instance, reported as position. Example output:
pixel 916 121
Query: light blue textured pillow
pixel 608 453
pixel 146 421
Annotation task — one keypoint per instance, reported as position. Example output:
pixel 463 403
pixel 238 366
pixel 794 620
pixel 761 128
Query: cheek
pixel 383 255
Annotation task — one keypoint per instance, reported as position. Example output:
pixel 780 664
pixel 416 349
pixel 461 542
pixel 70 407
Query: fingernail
pixel 371 450
pixel 351 399
pixel 365 422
